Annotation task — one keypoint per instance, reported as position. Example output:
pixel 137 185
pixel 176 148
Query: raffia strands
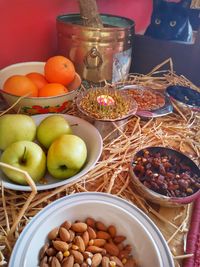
pixel 179 130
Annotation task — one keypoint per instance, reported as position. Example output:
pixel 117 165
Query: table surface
pixel 179 130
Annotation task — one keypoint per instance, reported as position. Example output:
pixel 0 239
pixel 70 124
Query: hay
pixel 179 130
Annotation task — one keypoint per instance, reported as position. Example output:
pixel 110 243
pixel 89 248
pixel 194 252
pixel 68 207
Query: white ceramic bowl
pixel 94 144
pixel 36 105
pixel 149 246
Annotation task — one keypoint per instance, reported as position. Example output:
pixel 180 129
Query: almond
pixel 128 248
pixel 118 239
pixel 44 264
pixel 66 225
pixel 105 262
pixel 100 226
pixel 59 256
pixel 79 227
pixel 99 242
pixel 94 249
pixel 86 238
pixel 78 256
pixel 55 262
pixel 44 260
pixel 43 250
pixel 91 232
pixel 87 254
pixel 123 254
pixel 117 261
pixel 130 263
pixel 103 235
pixel 60 245
pixel 90 222
pixel 76 265
pixel 84 264
pixel 72 235
pixel 68 262
pixel 96 260
pixel 111 249
pixel 53 233
pixel 80 243
pixel 112 230
pixel 51 251
pixel 64 234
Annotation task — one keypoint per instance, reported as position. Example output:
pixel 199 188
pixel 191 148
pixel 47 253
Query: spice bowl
pixel 151 102
pixel 165 176
pixel 140 233
pixel 36 105
pixel 107 108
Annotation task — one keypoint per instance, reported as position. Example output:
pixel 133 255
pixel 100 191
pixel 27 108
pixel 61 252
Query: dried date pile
pixel 86 244
pixel 165 174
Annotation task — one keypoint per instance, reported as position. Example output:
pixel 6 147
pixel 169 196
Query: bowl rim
pixel 36 97
pixel 183 200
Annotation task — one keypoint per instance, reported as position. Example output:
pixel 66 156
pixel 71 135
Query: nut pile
pixel 165 174
pixel 85 244
pixel 147 99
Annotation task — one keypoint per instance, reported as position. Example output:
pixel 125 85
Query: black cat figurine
pixel 170 21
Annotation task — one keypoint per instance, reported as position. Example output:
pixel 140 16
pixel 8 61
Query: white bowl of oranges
pixel 40 87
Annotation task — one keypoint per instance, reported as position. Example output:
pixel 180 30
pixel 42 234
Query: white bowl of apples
pixel 54 149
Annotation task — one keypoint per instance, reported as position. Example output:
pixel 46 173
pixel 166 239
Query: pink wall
pixel 28 29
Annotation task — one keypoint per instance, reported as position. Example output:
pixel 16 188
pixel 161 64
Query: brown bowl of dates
pixel 165 176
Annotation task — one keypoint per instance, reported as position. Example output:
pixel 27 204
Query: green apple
pixel 27 156
pixel 51 128
pixel 16 127
pixel 66 156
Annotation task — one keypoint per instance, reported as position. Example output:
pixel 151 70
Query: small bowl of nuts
pixel 89 230
pixel 165 176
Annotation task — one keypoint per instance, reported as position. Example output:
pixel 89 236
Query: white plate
pixel 94 144
pixel 149 246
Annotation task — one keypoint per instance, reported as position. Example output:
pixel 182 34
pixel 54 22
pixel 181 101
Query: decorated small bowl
pixel 37 105
pixel 165 176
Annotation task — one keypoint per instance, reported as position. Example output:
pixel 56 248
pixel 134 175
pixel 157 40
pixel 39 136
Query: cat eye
pixel 172 23
pixel 157 21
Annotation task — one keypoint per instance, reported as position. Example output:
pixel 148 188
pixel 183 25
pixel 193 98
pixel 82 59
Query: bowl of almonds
pixel 91 229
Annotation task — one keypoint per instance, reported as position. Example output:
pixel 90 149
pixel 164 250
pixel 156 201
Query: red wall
pixel 28 29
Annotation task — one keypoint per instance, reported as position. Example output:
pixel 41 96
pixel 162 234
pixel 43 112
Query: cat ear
pixel 186 3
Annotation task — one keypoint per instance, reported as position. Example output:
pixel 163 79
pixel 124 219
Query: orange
pixel 37 78
pixel 20 85
pixel 59 69
pixel 52 89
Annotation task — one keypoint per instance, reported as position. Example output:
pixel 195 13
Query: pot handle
pixel 93 59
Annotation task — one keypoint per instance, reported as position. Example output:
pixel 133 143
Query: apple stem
pixel 23 159
pixel 75 124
